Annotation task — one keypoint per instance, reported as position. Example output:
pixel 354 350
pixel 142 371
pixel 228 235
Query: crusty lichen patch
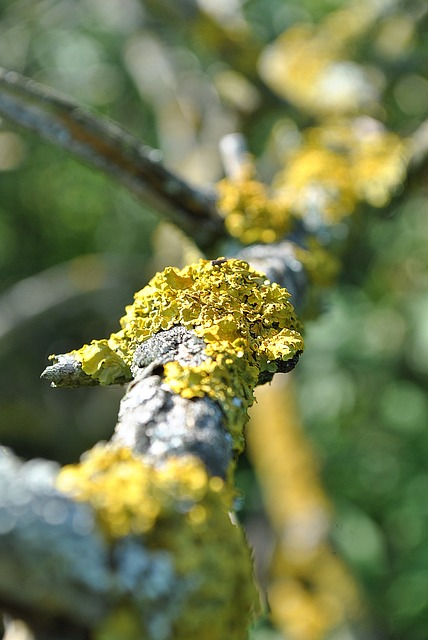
pixel 246 321
pixel 177 508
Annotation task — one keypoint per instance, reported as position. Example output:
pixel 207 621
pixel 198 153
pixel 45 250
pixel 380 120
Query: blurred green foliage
pixel 363 393
pixel 181 75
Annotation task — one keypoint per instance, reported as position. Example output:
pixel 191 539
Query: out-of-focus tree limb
pixel 61 285
pixel 309 588
pixel 58 573
pixel 105 145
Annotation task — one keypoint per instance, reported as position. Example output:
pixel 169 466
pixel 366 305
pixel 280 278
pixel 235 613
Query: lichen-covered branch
pixel 158 497
pixel 57 570
pixel 105 145
pixel 196 342
pixel 121 557
pixel 244 329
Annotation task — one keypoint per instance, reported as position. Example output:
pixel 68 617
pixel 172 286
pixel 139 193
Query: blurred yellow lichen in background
pixel 308 64
pixel 129 495
pixel 350 158
pixel 247 322
pixel 251 213
pixel 321 266
pixel 339 165
pixel 101 362
pixel 174 507
pixel 333 169
pixel 310 591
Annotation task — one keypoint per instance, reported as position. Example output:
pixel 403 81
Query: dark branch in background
pixel 105 145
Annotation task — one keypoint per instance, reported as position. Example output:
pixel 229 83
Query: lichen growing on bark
pixel 247 322
pixel 179 509
pixel 250 212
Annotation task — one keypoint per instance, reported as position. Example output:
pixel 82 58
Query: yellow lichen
pixel 250 213
pixel 339 165
pixel 334 168
pixel 309 65
pixel 379 165
pixel 248 324
pixel 102 363
pixel 179 509
pixel 317 178
pixel 294 64
pixel 129 496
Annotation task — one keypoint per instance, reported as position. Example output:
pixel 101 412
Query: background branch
pixel 105 145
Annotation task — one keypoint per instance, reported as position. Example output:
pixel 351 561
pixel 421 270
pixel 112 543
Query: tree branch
pixel 57 571
pixel 158 423
pixel 166 447
pixel 105 145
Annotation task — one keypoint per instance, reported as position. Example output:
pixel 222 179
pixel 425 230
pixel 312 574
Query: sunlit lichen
pixel 177 508
pixel 246 321
pixel 338 166
pixel 294 64
pixel 309 65
pixel 102 363
pixel 251 214
pixel 326 175
pixel 129 495
pixel 317 179
pixel 379 165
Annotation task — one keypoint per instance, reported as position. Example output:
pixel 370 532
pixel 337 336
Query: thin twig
pixel 105 145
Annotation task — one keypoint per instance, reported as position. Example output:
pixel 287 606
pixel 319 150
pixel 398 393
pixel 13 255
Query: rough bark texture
pixel 159 423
